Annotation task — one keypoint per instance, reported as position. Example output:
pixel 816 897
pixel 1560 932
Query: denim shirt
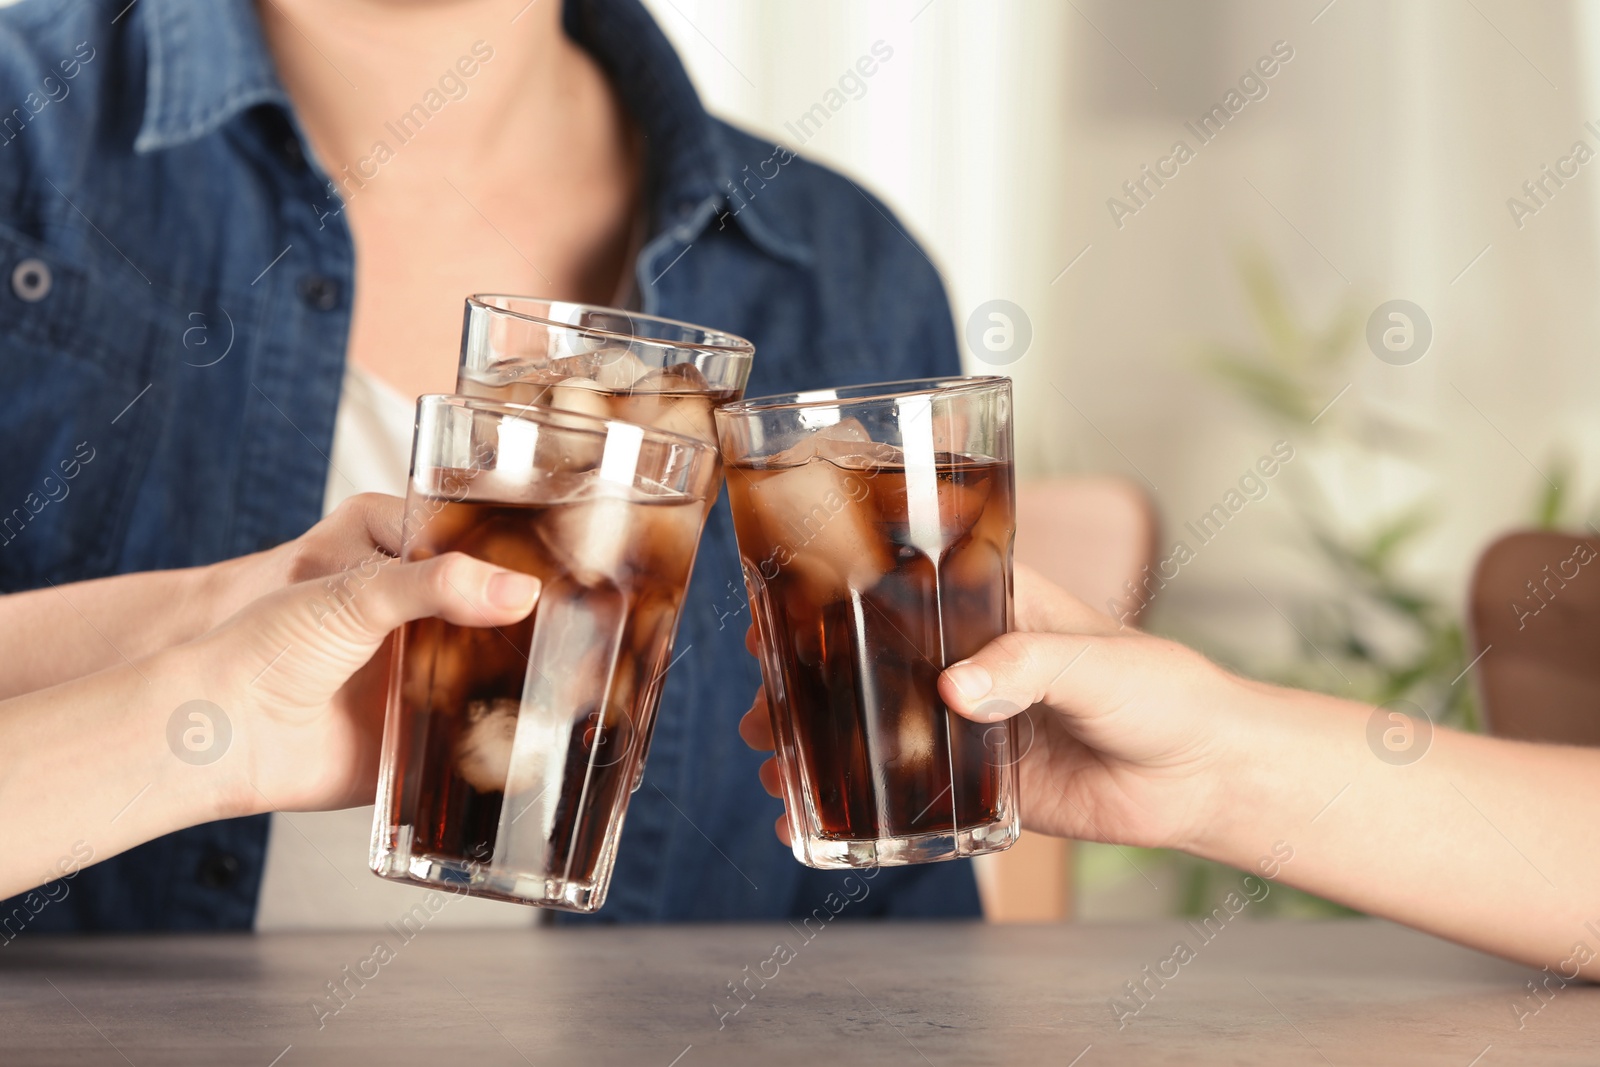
pixel 175 297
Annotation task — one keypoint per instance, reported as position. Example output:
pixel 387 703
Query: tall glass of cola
pixel 875 526
pixel 510 752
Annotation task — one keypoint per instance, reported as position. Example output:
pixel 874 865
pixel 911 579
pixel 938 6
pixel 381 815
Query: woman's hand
pixel 300 673
pixel 1125 737
pixel 363 529
pixel 1135 740
pixel 281 707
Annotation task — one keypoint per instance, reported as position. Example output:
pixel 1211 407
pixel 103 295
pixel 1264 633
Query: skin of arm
pixel 1140 741
pixel 89 768
pixel 60 632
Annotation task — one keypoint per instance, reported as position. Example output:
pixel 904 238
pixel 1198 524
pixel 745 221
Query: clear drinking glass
pixel 510 753
pixel 875 526
pixel 600 361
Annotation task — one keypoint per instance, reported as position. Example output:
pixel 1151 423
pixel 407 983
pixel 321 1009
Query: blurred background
pixel 1173 330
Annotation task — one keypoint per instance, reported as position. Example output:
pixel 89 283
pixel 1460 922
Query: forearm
pixel 89 768
pixel 57 633
pixel 1487 842
pixel 52 635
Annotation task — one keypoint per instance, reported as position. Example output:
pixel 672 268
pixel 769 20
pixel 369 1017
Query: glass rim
pixel 728 344
pixel 580 421
pixel 855 395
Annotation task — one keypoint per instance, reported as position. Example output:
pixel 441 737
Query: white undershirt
pixel 316 874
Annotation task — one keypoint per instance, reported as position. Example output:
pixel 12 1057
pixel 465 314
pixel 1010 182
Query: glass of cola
pixel 875 526
pixel 510 752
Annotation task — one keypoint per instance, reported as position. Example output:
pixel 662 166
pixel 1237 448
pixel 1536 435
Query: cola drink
pixel 868 575
pixel 512 750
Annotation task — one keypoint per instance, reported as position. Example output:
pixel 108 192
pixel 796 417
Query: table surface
pixel 1279 992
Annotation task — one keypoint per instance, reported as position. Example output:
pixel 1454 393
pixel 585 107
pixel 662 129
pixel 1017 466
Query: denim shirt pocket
pixel 76 355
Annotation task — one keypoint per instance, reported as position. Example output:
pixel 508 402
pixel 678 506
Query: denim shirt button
pixel 219 870
pixel 293 154
pixel 31 280
pixel 319 292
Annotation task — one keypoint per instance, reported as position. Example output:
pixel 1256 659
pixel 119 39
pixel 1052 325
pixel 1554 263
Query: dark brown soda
pixel 599 636
pixel 866 586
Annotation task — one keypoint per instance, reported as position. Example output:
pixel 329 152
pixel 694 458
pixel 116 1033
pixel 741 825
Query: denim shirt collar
pixel 208 62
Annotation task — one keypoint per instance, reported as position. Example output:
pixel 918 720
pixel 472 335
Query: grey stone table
pixel 1343 992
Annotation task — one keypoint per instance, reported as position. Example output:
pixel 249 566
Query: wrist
pixel 1255 741
pixel 1283 757
pixel 203 716
pixel 228 587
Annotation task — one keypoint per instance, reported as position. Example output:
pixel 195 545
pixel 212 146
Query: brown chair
pixel 1535 621
pixel 1089 536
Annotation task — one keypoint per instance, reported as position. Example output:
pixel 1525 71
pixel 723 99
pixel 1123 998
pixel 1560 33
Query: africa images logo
pixel 199 732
